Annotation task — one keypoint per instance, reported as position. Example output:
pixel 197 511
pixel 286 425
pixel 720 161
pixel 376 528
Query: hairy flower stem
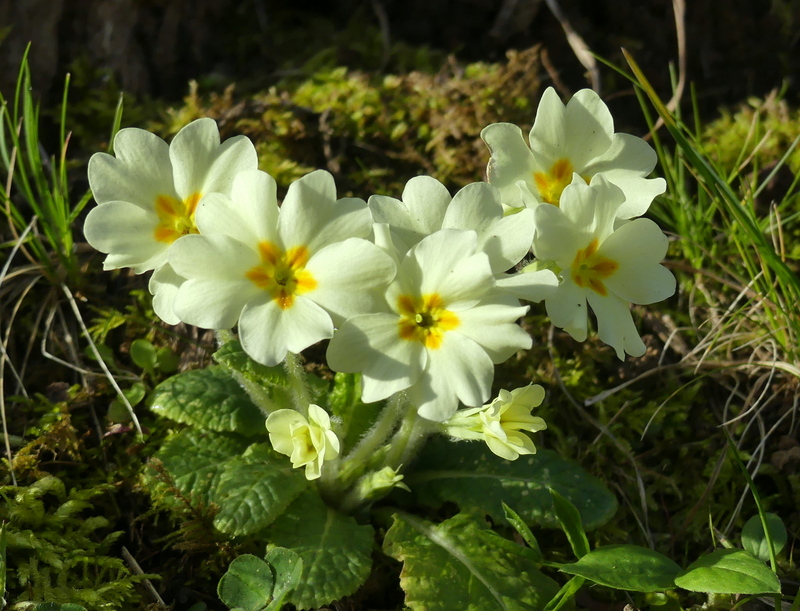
pixel 255 391
pixel 355 463
pixel 408 439
pixel 298 383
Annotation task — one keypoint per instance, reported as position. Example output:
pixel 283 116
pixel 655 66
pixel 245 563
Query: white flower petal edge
pixel 163 286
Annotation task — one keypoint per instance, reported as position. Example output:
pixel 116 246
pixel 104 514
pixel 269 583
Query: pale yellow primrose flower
pixel 286 275
pixel 307 442
pixel 147 195
pixel 147 192
pixel 608 268
pixel 443 327
pixel 572 142
pixel 501 422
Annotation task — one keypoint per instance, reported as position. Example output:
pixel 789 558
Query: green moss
pixel 56 553
pixel 375 132
pixel 764 129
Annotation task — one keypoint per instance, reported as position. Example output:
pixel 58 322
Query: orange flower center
pixel 553 182
pixel 175 217
pixel 425 319
pixel 282 273
pixel 589 269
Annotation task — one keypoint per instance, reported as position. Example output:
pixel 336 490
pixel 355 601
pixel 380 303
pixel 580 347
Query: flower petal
pixel 139 171
pixel 615 325
pixel 492 325
pixel 441 263
pixel 548 135
pixel 268 332
pixel 351 276
pixel 311 215
pixel 202 165
pixel 249 214
pixel 126 232
pixel 589 128
pixel 529 286
pixel 280 424
pixel 639 247
pixel 459 370
pixel 510 162
pixel 567 309
pixel 163 286
pixel 371 344
pixel 506 240
pixel 216 289
pixel 420 213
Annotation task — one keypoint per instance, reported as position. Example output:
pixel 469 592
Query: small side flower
pixel 307 442
pixel 501 423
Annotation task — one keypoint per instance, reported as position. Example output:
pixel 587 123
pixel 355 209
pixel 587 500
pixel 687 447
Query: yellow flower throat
pixel 589 269
pixel 175 217
pixel 282 273
pixel 551 184
pixel 425 319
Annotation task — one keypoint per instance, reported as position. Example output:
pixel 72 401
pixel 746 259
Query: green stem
pixel 298 383
pixel 409 438
pixel 352 467
pixel 257 393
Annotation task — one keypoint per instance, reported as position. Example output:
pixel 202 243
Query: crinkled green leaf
pixel 729 571
pixel 626 567
pixel 469 475
pixel 336 551
pixel 232 355
pixel 208 398
pixel 254 489
pixel 247 584
pixel 462 564
pixel 754 541
pixel 194 460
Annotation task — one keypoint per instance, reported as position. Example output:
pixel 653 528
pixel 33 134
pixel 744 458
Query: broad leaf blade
pixel 336 551
pixel 461 564
pixel 247 584
pixel 288 567
pixel 729 571
pixel 626 567
pixel 209 398
pixel 469 475
pixel 254 490
pixel 193 459
pixel 755 541
pixel 232 355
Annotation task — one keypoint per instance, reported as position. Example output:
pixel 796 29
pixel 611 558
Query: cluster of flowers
pixel 413 293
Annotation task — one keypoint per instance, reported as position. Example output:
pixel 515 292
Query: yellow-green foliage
pixel 376 132
pixel 767 127
pixel 56 554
